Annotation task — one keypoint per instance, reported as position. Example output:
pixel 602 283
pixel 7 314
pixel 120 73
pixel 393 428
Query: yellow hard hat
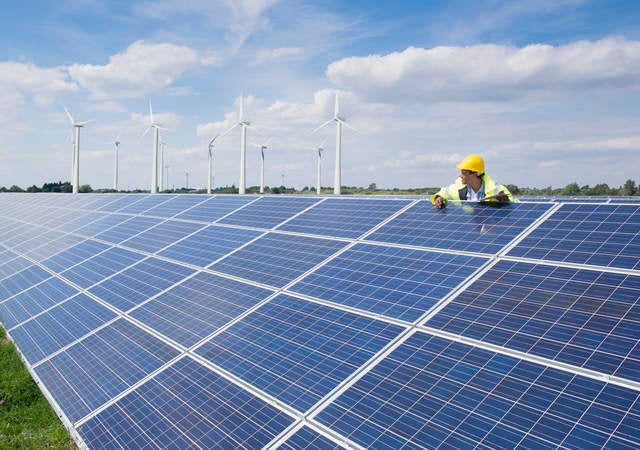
pixel 473 163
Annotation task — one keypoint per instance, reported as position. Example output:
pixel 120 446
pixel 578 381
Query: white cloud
pixel 267 55
pixel 142 68
pixel 490 71
pixel 42 84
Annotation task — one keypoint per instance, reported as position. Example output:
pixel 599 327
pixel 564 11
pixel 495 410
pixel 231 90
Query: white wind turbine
pixel 154 165
pixel 243 146
pixel 262 148
pixel 319 149
pixel 163 147
pixel 75 165
pixel 339 122
pixel 210 164
pixel 116 143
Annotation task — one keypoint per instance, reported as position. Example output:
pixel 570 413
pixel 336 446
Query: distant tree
pixel 372 187
pixel 571 189
pixel 629 188
pixel 85 188
pixel 16 188
pixel 34 188
pixel 601 189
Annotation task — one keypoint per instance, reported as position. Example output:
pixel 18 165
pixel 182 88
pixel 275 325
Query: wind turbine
pixel 116 143
pixel 243 146
pixel 210 161
pixel 339 122
pixel 75 166
pixel 154 165
pixel 163 146
pixel 320 149
pixel 262 148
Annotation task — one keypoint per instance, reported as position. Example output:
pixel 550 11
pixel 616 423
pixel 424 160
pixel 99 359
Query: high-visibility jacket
pixel 458 190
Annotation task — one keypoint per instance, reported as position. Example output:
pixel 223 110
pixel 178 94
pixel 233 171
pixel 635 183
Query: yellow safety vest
pixel 458 190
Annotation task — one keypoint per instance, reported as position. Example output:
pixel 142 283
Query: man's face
pixel 467 175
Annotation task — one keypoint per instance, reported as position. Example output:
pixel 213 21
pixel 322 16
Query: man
pixel 472 184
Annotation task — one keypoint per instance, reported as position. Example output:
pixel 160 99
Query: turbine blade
pixel 322 126
pixel 241 116
pixel 229 130
pixel 253 128
pixel 145 133
pixel 150 113
pixel 337 106
pixel 68 115
pixel 214 138
pixel 81 124
pixel 347 125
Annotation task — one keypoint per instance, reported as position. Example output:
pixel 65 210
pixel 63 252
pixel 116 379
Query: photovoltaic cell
pixel 208 245
pixel 214 208
pixel 140 282
pixel 199 306
pixel 585 318
pixel 186 406
pixel 467 227
pixel 47 249
pixel 175 205
pixel 101 266
pixel 21 281
pixel 162 235
pixel 74 255
pixel 12 264
pixel 100 225
pixel 60 326
pixel 145 203
pixel 394 282
pixel 601 235
pixel 101 366
pixel 296 350
pixel 127 229
pixel 431 392
pixel 33 301
pixel 346 218
pixel 268 212
pixel 276 259
pixel 122 201
pixel 309 439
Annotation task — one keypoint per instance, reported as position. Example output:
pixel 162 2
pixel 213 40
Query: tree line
pixel 629 188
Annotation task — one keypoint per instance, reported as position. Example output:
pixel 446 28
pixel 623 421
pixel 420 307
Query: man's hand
pixel 502 197
pixel 440 202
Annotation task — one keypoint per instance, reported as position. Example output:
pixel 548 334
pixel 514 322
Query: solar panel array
pixel 193 321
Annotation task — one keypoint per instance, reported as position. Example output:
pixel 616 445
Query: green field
pixel 27 421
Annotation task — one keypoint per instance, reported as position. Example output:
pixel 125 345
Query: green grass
pixel 27 421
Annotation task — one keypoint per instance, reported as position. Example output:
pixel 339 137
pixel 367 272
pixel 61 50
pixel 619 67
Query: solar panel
pixel 602 235
pixel 245 321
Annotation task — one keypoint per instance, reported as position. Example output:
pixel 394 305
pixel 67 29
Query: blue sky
pixel 547 91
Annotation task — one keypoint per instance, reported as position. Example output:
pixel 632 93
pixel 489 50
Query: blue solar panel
pixel 395 282
pixel 470 227
pixel 296 350
pixel 101 266
pixel 175 205
pixel 602 235
pixel 161 236
pixel 214 208
pixel 60 326
pixel 186 406
pixel 208 245
pixel 277 259
pixel 40 297
pixel 585 318
pixel 199 306
pixel 96 369
pixel 347 218
pixel 431 393
pixel 140 282
pixel 127 229
pixel 74 255
pixel 248 321
pixel 268 212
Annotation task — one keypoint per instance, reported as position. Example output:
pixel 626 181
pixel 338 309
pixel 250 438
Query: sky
pixel 547 92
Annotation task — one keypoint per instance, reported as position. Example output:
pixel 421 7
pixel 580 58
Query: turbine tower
pixel 339 122
pixel 243 146
pixel 262 148
pixel 116 143
pixel 319 149
pixel 154 165
pixel 163 146
pixel 210 163
pixel 75 165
